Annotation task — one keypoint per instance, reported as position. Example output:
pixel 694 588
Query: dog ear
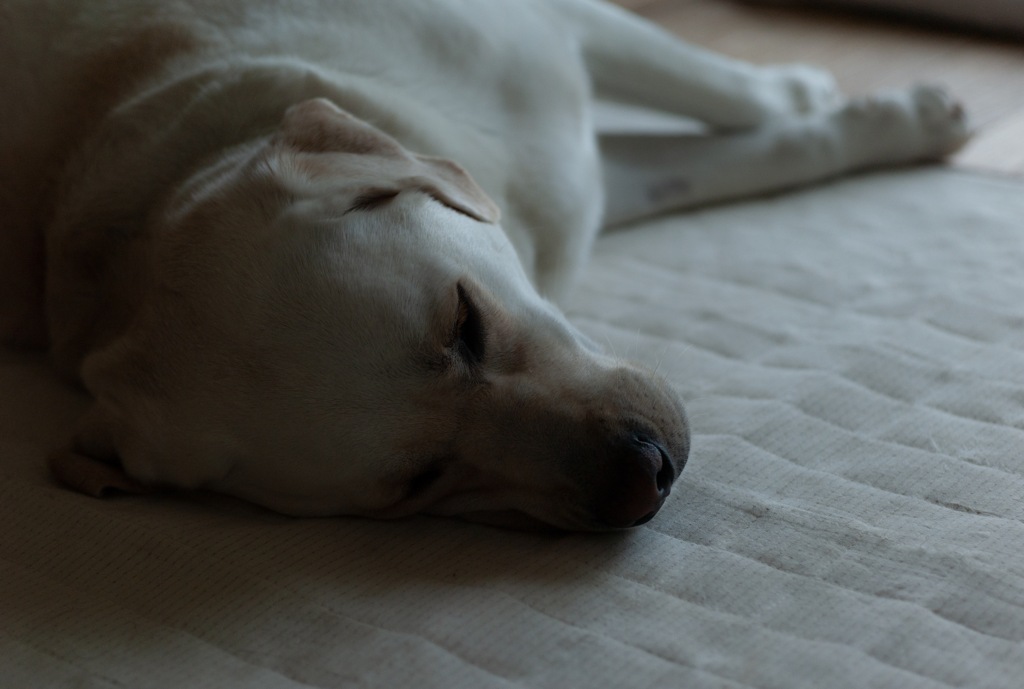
pixel 318 126
pixel 449 183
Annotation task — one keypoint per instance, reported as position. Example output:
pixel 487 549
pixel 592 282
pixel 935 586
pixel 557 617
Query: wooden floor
pixel 868 53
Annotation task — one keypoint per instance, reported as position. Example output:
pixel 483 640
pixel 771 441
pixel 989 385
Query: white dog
pixel 270 242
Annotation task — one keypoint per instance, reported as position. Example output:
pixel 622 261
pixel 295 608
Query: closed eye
pixel 372 199
pixel 469 338
pixel 422 482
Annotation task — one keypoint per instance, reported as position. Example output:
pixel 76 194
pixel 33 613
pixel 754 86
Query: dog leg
pixel 92 476
pixel 649 174
pixel 633 61
pixel 91 465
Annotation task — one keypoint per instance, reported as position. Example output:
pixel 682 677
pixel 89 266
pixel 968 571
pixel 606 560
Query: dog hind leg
pixel 633 61
pixel 648 174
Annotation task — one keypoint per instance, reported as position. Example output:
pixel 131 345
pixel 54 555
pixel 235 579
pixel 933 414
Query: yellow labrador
pixel 305 253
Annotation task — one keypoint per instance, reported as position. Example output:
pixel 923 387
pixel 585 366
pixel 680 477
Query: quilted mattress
pixel 852 358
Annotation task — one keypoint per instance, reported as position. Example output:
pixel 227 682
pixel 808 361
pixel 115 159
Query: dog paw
pixel 923 122
pixel 797 89
pixel 942 116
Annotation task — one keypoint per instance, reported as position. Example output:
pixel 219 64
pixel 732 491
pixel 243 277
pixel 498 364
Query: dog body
pixel 305 253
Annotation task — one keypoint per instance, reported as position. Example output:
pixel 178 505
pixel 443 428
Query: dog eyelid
pixel 423 481
pixel 469 336
pixel 372 199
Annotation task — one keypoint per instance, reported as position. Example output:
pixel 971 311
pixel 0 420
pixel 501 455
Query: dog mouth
pixel 512 519
pixel 623 486
pixel 520 521
pixel 517 520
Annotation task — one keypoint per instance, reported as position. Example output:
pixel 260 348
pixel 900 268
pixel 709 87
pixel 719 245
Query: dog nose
pixel 644 480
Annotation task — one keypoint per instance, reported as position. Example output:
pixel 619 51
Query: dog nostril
pixel 641 478
pixel 665 473
pixel 666 476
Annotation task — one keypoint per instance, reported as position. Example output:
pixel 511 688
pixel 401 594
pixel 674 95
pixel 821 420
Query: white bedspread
pixel 853 362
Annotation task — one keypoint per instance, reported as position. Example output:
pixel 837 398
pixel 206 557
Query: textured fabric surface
pixel 852 358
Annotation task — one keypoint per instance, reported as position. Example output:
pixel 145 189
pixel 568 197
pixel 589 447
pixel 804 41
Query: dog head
pixel 338 326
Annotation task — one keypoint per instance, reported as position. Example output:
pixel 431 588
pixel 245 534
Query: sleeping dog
pixel 308 253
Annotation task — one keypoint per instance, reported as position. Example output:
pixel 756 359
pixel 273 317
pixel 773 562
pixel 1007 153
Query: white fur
pixel 256 240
